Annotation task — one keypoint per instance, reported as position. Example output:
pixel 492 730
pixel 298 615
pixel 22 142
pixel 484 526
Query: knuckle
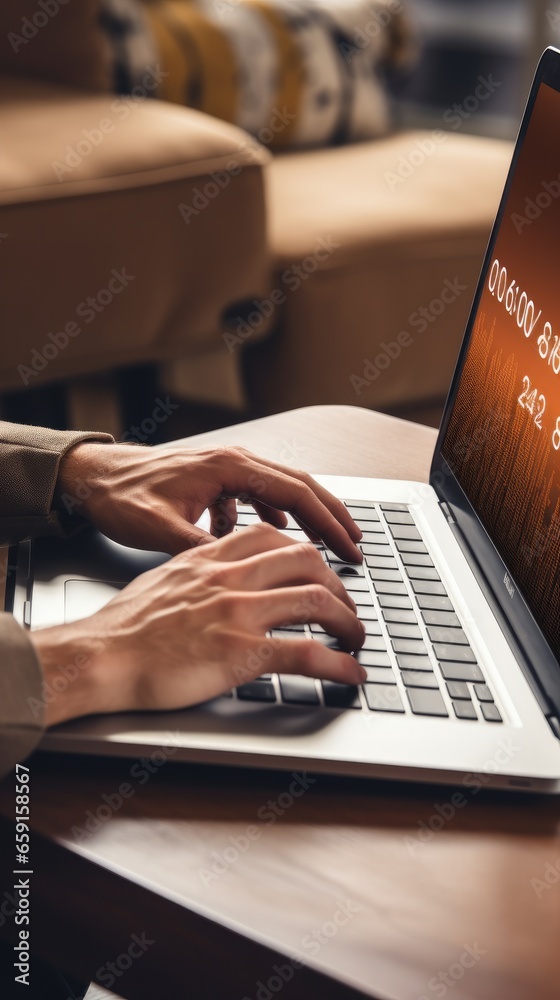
pixel 228 606
pixel 317 595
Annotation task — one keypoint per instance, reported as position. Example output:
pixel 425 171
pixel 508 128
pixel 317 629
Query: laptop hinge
pixel 554 724
pixel 447 512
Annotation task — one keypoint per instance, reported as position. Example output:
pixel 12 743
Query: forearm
pixel 29 466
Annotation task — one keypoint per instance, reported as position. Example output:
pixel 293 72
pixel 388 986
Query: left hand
pixel 151 498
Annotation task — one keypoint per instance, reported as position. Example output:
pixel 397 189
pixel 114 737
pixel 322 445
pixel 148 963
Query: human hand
pixel 151 498
pixel 196 626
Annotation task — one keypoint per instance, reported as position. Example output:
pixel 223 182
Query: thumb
pixel 179 535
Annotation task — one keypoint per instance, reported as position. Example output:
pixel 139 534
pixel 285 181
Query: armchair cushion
pixel 129 229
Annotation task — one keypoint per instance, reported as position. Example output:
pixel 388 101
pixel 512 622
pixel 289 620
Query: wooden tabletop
pixel 384 890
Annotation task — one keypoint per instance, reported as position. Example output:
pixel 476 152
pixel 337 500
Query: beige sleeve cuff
pixel 21 695
pixel 29 463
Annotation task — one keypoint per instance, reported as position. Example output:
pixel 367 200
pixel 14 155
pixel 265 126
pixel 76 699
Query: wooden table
pixel 466 910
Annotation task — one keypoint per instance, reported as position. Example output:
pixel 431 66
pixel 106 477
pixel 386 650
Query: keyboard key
pixel 257 691
pixel 491 713
pixel 446 619
pixel 414 646
pixel 368 614
pixel 355 583
pixel 455 636
pixel 394 601
pixel 380 675
pixel 374 527
pixel 384 587
pixel 376 549
pixel 422 573
pixel 483 693
pixel 462 672
pixel 370 658
pixel 458 690
pixel 341 695
pixel 394 506
pixel 409 545
pixel 456 654
pixel 361 598
pixel 351 504
pixel 424 702
pixel 381 562
pixel 384 575
pixel 284 633
pixel 431 602
pixel 413 559
pixel 375 537
pixel 398 615
pixel 343 569
pixel 398 517
pixel 465 710
pixel 405 531
pixel 383 698
pixel 327 640
pixel 403 631
pixel 428 587
pixel 419 680
pixel 373 627
pixel 374 644
pixel 299 691
pixel 407 662
pixel 380 547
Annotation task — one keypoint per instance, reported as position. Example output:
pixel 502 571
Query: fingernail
pixel 361 674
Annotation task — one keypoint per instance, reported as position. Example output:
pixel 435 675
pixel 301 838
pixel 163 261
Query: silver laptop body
pixel 460 587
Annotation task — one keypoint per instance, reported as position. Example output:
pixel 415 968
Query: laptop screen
pixel 503 437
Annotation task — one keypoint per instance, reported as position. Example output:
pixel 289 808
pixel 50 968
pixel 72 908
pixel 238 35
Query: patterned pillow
pixel 291 72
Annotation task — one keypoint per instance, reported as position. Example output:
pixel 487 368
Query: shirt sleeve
pixel 29 463
pixel 21 695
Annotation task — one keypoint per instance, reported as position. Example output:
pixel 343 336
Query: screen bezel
pixel 535 652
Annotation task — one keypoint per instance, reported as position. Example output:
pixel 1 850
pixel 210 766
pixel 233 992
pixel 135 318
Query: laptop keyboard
pixel 417 654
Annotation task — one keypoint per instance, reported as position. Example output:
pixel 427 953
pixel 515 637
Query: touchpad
pixel 84 597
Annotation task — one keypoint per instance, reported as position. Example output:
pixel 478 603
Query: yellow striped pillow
pixel 291 72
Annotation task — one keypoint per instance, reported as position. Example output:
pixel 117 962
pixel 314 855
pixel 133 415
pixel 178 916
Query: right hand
pixel 196 626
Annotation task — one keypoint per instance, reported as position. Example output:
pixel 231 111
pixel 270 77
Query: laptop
pixel 460 585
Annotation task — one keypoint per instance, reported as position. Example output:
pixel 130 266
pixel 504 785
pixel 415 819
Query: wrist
pixel 77 477
pixel 73 681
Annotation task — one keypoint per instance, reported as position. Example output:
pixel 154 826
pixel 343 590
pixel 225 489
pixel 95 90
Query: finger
pixel 304 605
pixel 173 535
pixel 270 515
pixel 250 541
pixel 312 659
pixel 294 495
pixel 292 566
pixel 333 504
pixel 223 517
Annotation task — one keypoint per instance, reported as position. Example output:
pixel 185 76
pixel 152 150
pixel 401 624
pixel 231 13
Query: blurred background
pixel 196 328
pixel 460 39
